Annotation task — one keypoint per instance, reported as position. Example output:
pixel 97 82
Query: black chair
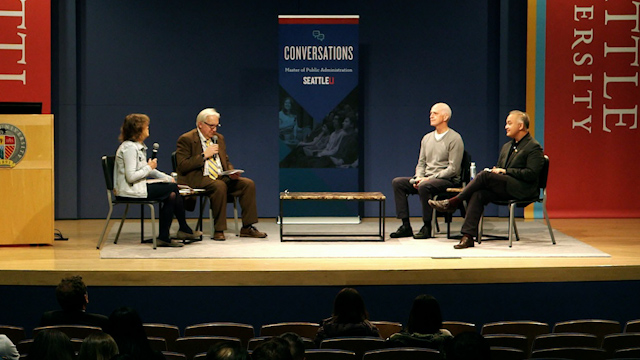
pixel 203 196
pixel 108 163
pixel 512 204
pixel 14 333
pixel 465 177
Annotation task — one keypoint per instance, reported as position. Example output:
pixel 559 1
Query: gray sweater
pixel 440 158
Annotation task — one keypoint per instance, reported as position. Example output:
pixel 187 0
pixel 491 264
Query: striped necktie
pixel 211 165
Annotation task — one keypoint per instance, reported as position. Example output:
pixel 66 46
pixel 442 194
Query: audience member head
pixel 227 350
pixel 8 350
pixel 348 307
pixel 98 346
pixel 273 349
pixel 425 316
pixel 296 345
pixel 125 326
pixel 468 346
pixel 71 293
pixel 133 126
pixel 51 344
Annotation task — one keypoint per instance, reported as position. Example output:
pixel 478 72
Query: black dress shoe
pixel 403 231
pixel 465 242
pixel 442 206
pixel 424 233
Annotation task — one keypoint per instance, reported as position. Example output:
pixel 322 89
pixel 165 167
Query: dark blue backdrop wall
pixel 171 59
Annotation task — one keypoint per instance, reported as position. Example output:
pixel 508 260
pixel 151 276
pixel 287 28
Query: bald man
pixel 438 168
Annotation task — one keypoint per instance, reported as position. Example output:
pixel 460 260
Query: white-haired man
pixel 438 168
pixel 201 156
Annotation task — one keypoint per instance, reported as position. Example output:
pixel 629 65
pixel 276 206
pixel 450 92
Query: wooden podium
pixel 27 189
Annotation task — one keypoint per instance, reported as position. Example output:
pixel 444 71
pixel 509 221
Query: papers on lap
pixel 230 172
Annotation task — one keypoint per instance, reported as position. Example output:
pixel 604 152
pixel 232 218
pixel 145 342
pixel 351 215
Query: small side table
pixel 334 196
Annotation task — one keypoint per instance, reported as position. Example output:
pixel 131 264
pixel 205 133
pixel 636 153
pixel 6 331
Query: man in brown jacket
pixel 201 158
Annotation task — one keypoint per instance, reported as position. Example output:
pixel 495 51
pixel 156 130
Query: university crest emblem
pixel 13 145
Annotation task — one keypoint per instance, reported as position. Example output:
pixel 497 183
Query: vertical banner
pixel 25 52
pixel 318 117
pixel 591 98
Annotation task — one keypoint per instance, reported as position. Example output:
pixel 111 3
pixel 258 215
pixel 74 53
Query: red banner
pixel 592 93
pixel 25 52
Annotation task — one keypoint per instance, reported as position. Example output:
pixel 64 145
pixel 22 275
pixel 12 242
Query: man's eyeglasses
pixel 212 126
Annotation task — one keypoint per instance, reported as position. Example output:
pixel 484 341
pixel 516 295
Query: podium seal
pixel 13 145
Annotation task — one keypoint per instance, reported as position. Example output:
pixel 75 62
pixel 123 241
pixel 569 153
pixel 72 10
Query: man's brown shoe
pixel 218 236
pixel 465 242
pixel 251 231
pixel 442 206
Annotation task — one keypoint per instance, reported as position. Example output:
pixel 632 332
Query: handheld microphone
pixel 214 139
pixel 154 153
pixel 412 181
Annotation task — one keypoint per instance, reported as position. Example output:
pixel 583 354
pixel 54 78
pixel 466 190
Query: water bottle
pixel 472 170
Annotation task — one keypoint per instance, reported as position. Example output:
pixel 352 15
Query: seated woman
pixel 424 328
pixel 130 179
pixel 350 318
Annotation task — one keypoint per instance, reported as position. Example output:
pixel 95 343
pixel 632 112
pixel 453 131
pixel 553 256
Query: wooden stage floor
pixel 46 265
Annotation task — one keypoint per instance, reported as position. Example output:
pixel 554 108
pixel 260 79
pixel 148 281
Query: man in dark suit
pixel 514 177
pixel 201 157
pixel 73 299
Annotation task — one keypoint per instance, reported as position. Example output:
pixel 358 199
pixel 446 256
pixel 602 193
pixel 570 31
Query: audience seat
pixel 387 328
pixel 359 345
pixel 457 327
pixel 513 341
pixel 633 353
pixel 170 355
pixel 632 326
pixel 402 353
pixel 530 329
pixel 157 343
pixel 304 329
pixel 166 331
pixel 570 353
pixel 14 333
pixel 244 332
pixel 507 353
pixel 193 345
pixel 254 342
pixel 329 354
pixel 597 327
pixel 614 342
pixel 562 340
pixel 72 331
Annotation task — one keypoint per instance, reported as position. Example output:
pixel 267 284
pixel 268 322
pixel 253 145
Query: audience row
pixel 125 337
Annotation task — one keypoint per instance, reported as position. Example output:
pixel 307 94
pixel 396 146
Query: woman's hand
pixel 153 163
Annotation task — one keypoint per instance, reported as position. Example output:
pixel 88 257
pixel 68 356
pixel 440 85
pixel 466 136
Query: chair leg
pixel 213 228
pixel 124 216
pixel 153 225
pixel 515 230
pixel 512 210
pixel 480 228
pixel 106 224
pixel 546 217
pixel 235 214
pixel 434 221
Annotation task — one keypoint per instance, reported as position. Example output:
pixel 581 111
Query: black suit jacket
pixel 61 317
pixel 523 168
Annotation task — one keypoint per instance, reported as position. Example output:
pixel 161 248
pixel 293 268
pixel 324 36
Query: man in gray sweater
pixel 438 169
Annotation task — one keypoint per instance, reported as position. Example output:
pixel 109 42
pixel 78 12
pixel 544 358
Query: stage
pixel 46 265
